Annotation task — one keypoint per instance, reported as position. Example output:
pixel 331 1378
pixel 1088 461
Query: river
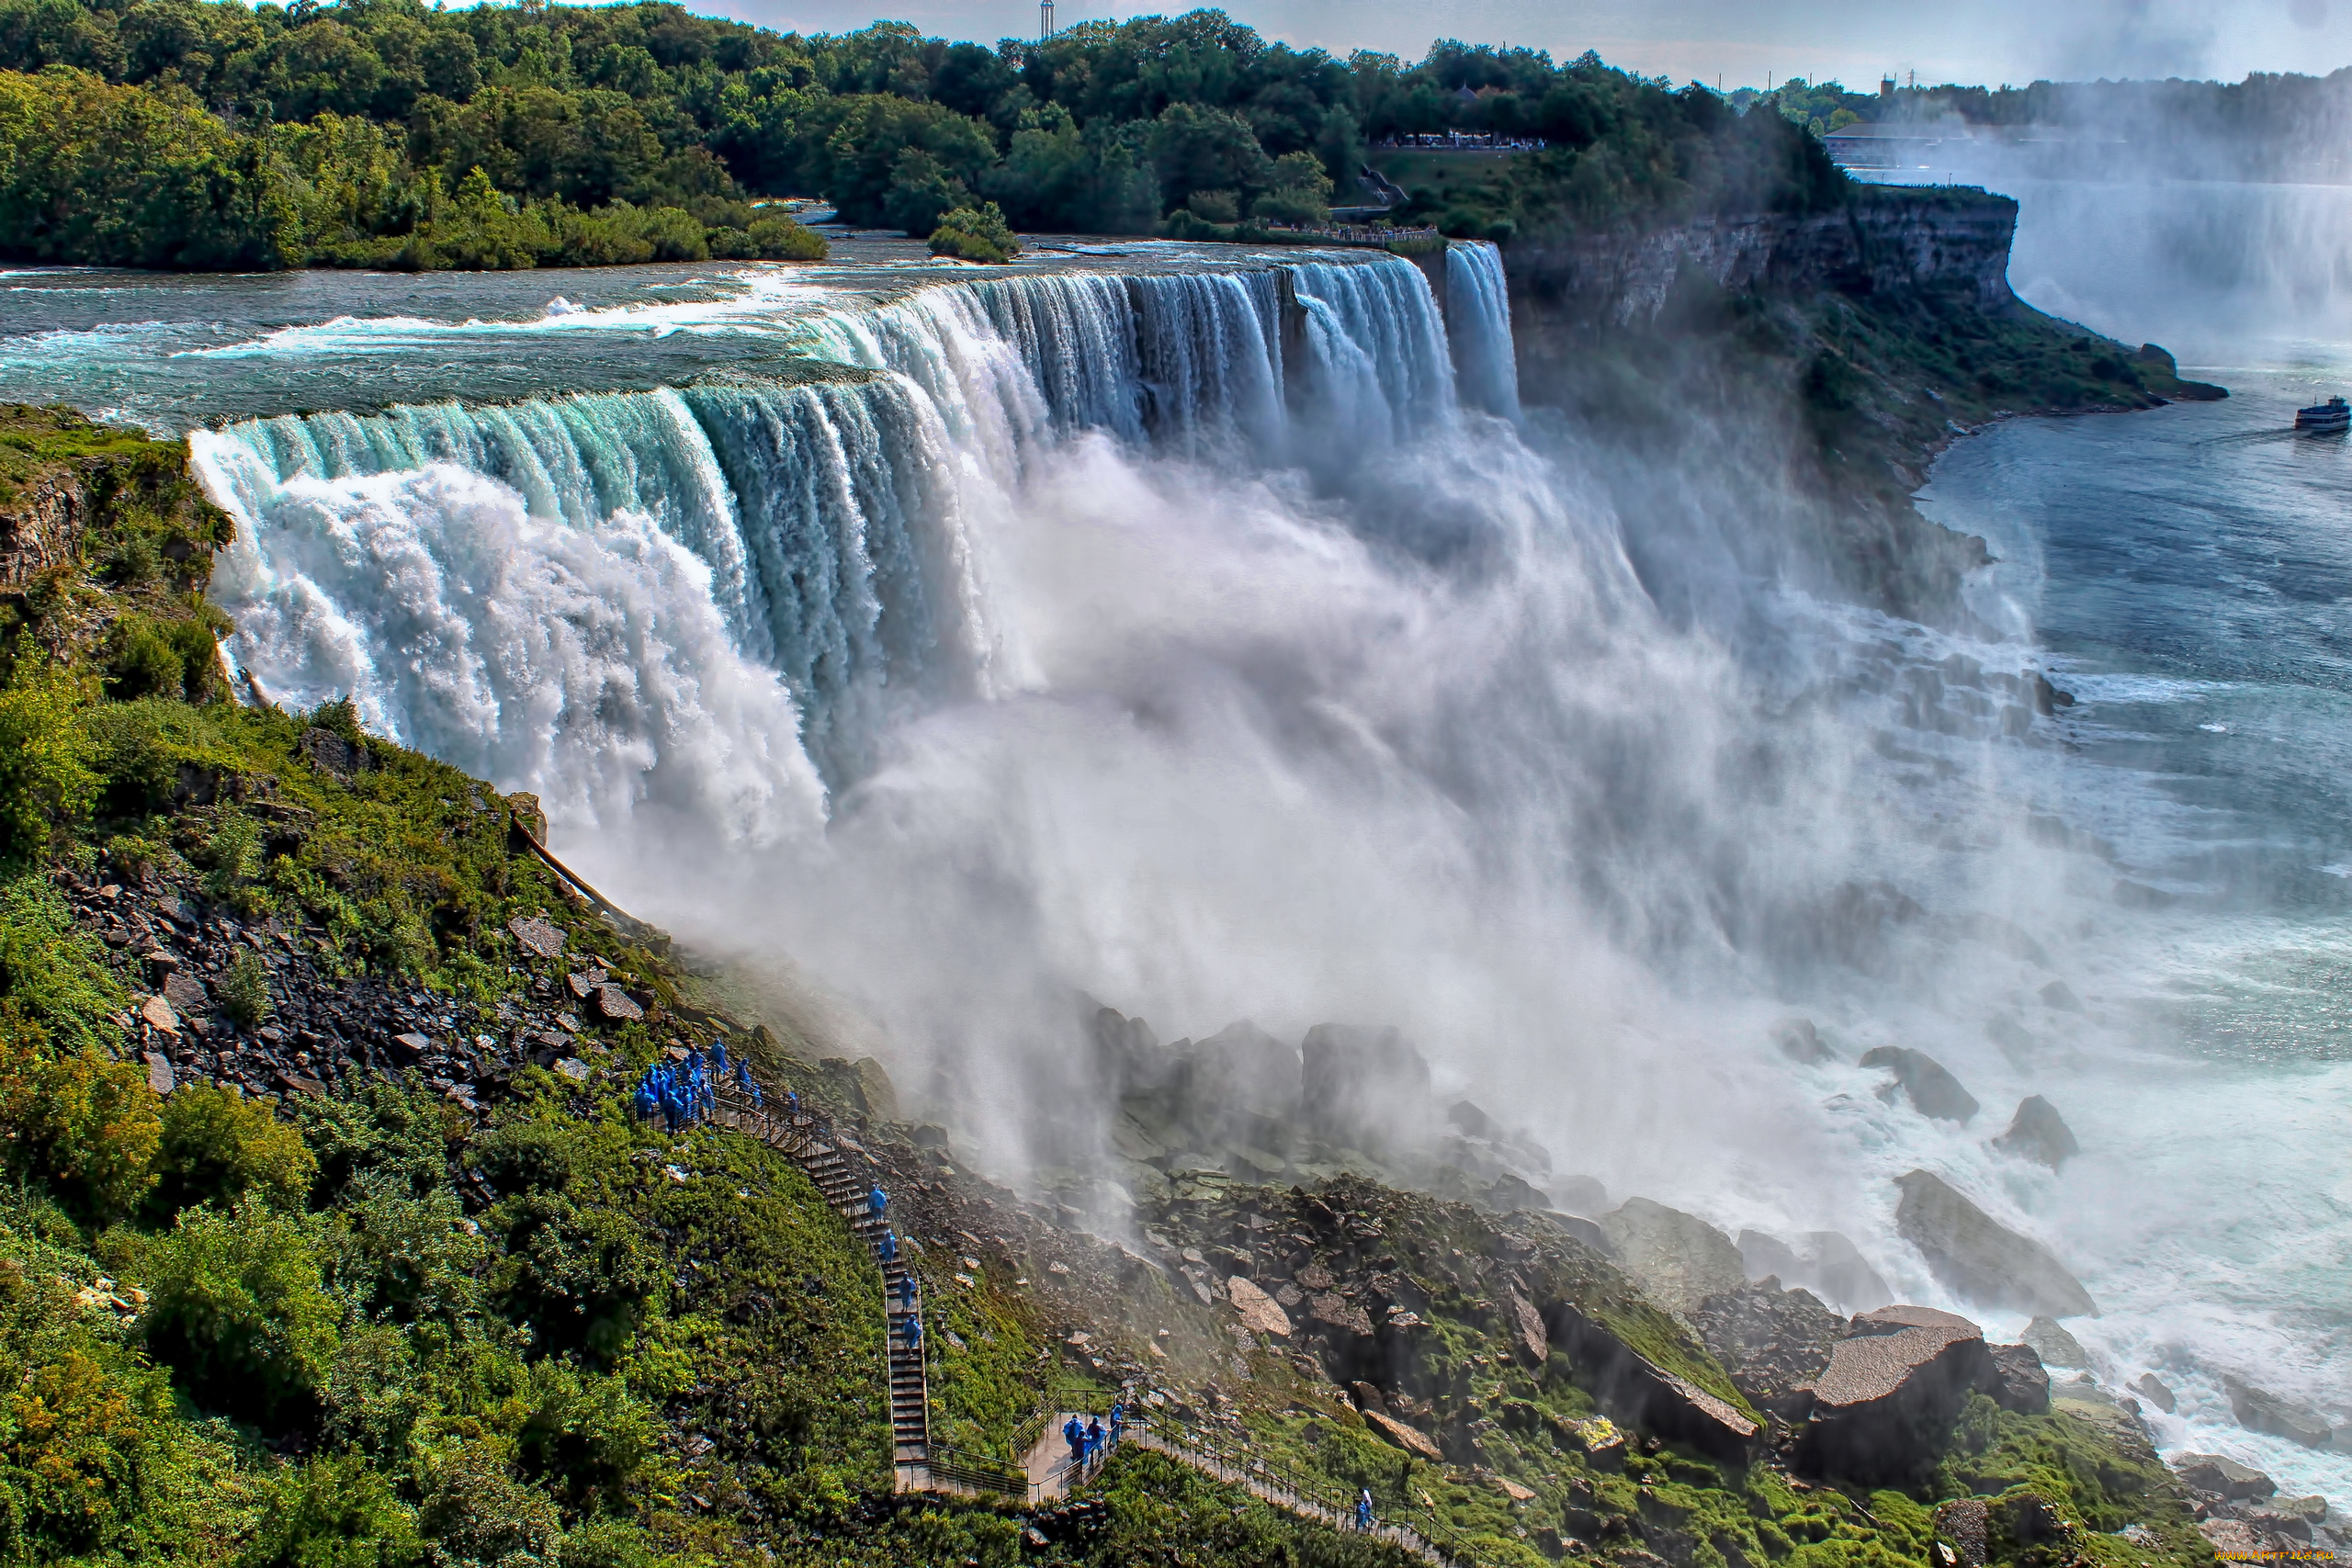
pixel 1121 624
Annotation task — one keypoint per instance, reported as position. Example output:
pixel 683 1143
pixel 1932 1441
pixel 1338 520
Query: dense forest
pixel 207 133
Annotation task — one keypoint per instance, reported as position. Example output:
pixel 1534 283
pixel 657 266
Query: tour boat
pixel 2326 419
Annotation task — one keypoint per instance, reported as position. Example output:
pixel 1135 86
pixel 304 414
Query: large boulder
pixel 1772 1342
pixel 1885 1405
pixel 1240 1088
pixel 1933 1090
pixel 1363 1088
pixel 1580 1195
pixel 2149 1387
pixel 2055 1345
pixel 2019 1381
pixel 1679 1259
pixel 2224 1478
pixel 2038 1134
pixel 2258 1410
pixel 1638 1390
pixel 1981 1260
pixel 1823 1262
pixel 1799 1041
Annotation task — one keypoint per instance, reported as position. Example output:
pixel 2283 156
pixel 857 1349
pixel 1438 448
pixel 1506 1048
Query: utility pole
pixel 1044 19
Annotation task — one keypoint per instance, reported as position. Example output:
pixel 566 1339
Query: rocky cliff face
pixel 41 528
pixel 1954 241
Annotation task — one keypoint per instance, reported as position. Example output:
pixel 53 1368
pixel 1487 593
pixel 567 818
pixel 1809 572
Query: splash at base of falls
pixel 1224 645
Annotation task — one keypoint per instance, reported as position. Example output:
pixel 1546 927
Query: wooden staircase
pixel 846 1184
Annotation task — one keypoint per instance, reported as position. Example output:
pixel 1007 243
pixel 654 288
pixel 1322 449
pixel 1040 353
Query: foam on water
pixel 1192 637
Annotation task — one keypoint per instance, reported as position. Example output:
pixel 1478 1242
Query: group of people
pixel 1088 1442
pixel 680 1092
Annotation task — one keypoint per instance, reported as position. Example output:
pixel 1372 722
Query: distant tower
pixel 1885 89
pixel 1044 19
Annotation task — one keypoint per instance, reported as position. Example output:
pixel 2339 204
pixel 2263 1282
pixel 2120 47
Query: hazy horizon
pixel 1989 41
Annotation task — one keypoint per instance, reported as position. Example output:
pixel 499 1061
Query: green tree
pixel 975 234
pixel 240 1311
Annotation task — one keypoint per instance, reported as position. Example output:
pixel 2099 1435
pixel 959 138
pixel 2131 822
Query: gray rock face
pixel 1840 1274
pixel 2055 1345
pixel 1637 1390
pixel 2258 1410
pixel 536 936
pixel 1799 1041
pixel 1363 1088
pixel 1580 1195
pixel 1884 1405
pixel 2149 1387
pixel 2038 1134
pixel 1823 1262
pixel 1772 1342
pixel 1679 1259
pixel 2223 1477
pixel 1933 1090
pixel 2020 1382
pixel 1980 1260
pixel 2061 997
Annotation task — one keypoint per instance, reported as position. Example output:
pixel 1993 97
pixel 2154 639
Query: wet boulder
pixel 1933 1091
pixel 2258 1410
pixel 2019 1381
pixel 1822 1261
pixel 1800 1042
pixel 1772 1342
pixel 1636 1389
pixel 1240 1088
pixel 1981 1260
pixel 2223 1478
pixel 1679 1259
pixel 2055 1345
pixel 2149 1387
pixel 2038 1134
pixel 1363 1088
pixel 1886 1402
pixel 1580 1195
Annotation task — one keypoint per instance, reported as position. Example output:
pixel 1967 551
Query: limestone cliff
pixel 1957 241
pixel 1769 390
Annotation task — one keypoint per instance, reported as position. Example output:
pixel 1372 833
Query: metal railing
pixel 1285 1485
pixel 977 1472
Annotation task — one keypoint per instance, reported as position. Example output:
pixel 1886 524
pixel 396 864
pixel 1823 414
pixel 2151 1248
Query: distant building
pixel 1887 89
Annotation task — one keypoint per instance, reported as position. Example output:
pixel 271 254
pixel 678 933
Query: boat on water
pixel 2325 419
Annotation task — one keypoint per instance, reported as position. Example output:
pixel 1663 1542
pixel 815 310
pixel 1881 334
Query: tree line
pixel 208 133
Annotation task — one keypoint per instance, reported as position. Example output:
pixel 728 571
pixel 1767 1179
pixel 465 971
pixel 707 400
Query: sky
pixel 1741 42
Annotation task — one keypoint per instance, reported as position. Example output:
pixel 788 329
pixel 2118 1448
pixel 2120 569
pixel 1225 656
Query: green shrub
pixel 46 780
pixel 406 1257
pixel 69 1115
pixel 56 990
pixel 978 234
pixel 1214 206
pixel 217 1147
pixel 240 1311
pixel 476 1512
pixel 244 989
pixel 337 1511
pixel 784 239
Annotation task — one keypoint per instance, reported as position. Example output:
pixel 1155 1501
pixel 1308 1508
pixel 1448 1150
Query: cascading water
pixel 1479 300
pixel 1176 637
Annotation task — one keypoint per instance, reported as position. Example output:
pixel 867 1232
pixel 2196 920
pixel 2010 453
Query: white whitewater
pixel 1193 639
pixel 1478 299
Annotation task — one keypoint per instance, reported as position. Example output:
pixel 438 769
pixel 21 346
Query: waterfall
pixel 807 552
pixel 1478 299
